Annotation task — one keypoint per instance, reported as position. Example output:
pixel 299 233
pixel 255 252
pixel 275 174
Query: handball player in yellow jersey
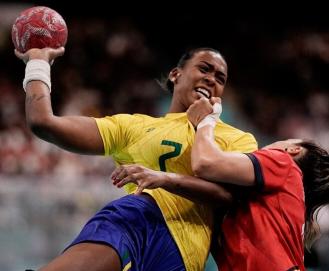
pixel 156 230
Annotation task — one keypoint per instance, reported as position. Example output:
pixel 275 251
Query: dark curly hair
pixel 314 164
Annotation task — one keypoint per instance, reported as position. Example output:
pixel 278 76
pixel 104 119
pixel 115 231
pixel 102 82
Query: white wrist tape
pixel 212 118
pixel 37 69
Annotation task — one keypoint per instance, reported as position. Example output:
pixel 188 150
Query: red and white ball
pixel 39 27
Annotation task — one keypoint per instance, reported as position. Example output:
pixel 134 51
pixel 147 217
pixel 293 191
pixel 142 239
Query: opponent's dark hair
pixel 314 164
pixel 165 82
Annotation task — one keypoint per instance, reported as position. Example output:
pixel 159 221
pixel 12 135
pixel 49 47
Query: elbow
pixel 200 167
pixel 40 126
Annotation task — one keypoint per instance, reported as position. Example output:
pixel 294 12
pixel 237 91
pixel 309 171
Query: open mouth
pixel 204 92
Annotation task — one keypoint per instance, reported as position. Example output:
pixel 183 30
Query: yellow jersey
pixel 165 144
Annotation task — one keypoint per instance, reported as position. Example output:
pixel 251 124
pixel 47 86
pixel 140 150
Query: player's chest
pixel 164 146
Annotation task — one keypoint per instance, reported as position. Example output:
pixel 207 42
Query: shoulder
pixel 225 128
pixel 125 118
pixel 276 161
pixel 275 156
pixel 236 139
pixel 275 167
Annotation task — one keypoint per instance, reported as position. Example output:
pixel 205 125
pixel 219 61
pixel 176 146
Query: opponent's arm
pixel 213 164
pixel 183 185
pixel 208 160
pixel 74 133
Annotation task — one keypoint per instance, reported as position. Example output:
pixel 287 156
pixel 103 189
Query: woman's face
pixel 204 75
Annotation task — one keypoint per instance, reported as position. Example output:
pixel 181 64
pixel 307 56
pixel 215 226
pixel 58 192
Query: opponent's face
pixel 204 74
pixel 288 145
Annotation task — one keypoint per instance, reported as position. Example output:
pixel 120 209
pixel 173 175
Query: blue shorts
pixel 135 228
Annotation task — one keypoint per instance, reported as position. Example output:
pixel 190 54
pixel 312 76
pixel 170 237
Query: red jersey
pixel 265 231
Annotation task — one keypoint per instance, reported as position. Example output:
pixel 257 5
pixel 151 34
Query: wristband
pixel 212 118
pixel 37 69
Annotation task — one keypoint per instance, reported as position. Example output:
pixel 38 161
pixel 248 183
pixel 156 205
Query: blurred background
pixel 278 87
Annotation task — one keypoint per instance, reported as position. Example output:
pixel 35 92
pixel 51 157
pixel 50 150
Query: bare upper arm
pixel 73 133
pixel 229 167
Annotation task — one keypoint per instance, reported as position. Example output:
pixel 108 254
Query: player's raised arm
pixel 73 133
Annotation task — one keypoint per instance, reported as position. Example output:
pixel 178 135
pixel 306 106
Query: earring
pixel 175 78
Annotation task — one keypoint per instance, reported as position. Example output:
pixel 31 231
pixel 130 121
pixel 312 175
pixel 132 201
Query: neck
pixel 176 106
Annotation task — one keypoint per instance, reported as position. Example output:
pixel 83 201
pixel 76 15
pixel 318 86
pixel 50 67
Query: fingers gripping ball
pixel 39 27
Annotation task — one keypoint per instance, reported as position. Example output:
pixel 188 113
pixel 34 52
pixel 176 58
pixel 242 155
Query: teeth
pixel 204 92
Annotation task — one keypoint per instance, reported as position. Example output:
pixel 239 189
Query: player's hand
pixel 47 54
pixel 214 100
pixel 199 110
pixel 145 178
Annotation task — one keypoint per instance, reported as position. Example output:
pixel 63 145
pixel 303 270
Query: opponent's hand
pixel 47 54
pixel 145 178
pixel 214 100
pixel 199 110
pixel 212 118
pixel 204 108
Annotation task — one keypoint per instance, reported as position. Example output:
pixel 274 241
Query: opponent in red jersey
pixel 264 228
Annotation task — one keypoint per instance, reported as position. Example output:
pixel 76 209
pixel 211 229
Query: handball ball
pixel 38 27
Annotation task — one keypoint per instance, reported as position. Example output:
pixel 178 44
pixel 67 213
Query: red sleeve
pixel 271 168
